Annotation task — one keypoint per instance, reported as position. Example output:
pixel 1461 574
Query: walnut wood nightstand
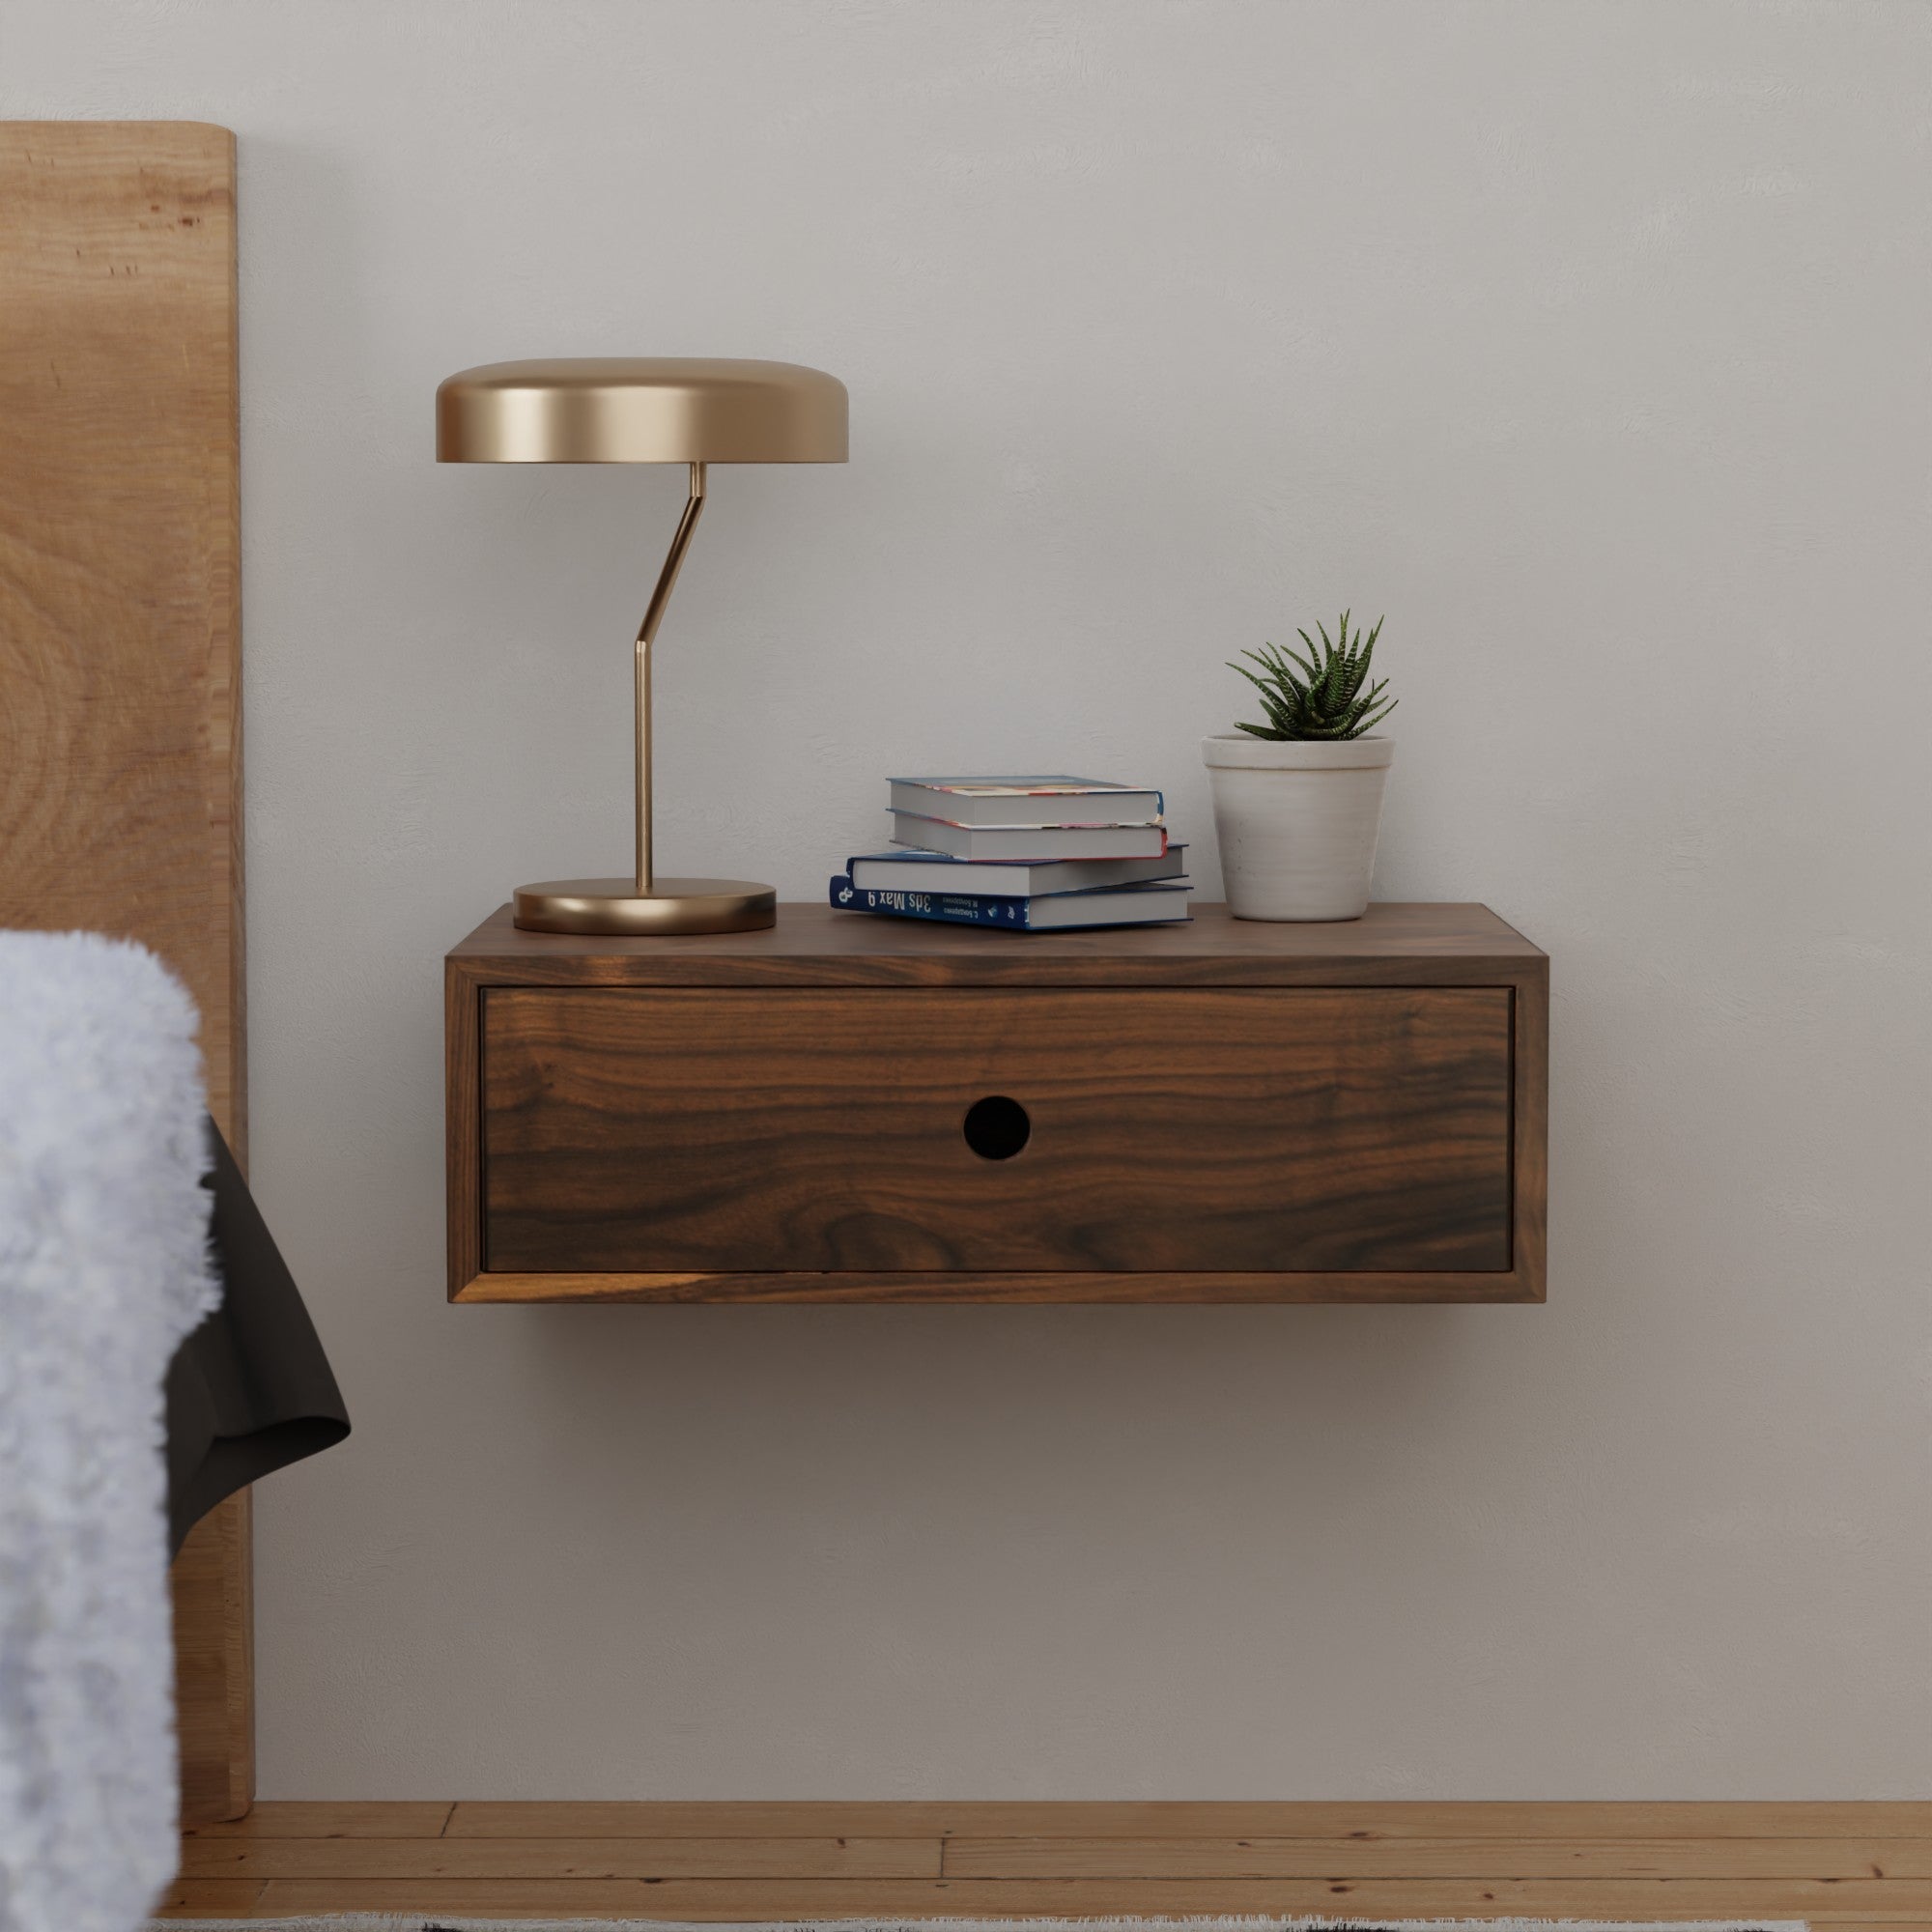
pixel 850 1108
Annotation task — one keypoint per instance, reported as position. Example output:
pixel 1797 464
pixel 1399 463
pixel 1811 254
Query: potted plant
pixel 1299 798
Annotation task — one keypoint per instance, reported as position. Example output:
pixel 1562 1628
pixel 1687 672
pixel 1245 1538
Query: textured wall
pixel 1589 342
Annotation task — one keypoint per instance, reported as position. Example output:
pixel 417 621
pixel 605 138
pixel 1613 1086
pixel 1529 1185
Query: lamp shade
pixel 644 409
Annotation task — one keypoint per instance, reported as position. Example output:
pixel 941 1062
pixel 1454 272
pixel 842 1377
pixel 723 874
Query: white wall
pixel 1589 342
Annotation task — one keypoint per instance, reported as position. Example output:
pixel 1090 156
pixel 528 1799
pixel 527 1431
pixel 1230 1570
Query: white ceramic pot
pixel 1297 821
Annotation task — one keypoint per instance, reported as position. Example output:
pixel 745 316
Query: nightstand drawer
pixel 781 1129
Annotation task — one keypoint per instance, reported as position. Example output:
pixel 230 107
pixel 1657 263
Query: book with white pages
pixel 1029 843
pixel 916 871
pixel 1027 801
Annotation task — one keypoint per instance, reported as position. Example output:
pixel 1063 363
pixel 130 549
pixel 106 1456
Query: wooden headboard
pixel 120 662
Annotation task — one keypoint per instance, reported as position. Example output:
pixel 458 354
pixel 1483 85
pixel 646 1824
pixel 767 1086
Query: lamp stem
pixel 647 632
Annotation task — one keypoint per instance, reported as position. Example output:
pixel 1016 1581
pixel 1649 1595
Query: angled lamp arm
pixel 647 632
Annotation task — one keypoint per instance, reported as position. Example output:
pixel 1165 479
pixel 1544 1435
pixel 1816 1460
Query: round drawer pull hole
pixel 997 1128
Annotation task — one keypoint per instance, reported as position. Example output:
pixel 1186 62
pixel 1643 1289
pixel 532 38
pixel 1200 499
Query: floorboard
pixel 1187 1819
pixel 1836 1864
pixel 720 1859
pixel 1437 1857
pixel 332 1820
pixel 210 1898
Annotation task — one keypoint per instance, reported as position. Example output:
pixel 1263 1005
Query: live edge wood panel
pixel 1224 1111
pixel 120 669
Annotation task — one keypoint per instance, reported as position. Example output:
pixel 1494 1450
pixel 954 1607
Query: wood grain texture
pixel 463 1123
pixel 1204 1856
pixel 119 659
pixel 1200 1856
pixel 1230 1129
pixel 1529 1147
pixel 1230 1111
pixel 1394 944
pixel 332 1818
pixel 1874 1901
pixel 210 1898
pixel 213 1581
pixel 730 1858
pixel 970 1286
pixel 120 635
pixel 1834 1864
pixel 1076 1821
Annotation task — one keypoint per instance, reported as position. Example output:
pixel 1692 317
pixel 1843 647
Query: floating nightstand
pixel 854 1109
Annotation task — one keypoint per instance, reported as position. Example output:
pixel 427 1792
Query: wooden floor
pixel 1834 1864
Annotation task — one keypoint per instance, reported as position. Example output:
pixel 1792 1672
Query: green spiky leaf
pixel 1320 694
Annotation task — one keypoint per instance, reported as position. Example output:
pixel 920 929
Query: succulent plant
pixel 1319 695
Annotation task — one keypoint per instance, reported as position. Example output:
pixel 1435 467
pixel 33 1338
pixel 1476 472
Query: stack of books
pixel 1026 854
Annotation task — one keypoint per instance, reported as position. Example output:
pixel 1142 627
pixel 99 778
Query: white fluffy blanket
pixel 103 1268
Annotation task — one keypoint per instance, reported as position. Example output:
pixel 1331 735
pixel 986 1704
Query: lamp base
pixel 674 906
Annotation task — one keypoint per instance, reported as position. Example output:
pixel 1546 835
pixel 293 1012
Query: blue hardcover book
pixel 1157 902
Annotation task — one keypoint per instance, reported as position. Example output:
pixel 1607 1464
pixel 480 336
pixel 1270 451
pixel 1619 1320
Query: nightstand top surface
pixel 1391 940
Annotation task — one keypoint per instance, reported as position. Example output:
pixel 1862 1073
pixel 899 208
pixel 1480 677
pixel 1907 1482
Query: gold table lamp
pixel 643 410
